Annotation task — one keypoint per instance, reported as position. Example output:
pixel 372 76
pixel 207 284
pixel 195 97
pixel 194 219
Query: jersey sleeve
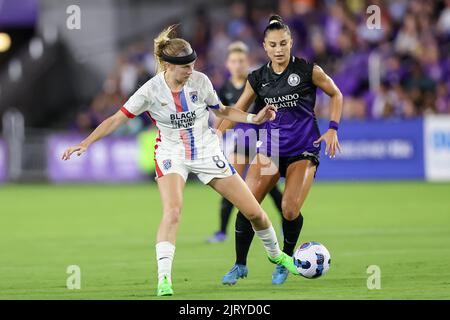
pixel 137 103
pixel 212 100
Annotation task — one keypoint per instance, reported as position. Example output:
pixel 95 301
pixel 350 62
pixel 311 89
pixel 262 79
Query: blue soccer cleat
pixel 279 275
pixel 219 236
pixel 238 271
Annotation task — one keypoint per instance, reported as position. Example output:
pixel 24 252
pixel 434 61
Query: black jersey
pixel 294 94
pixel 229 95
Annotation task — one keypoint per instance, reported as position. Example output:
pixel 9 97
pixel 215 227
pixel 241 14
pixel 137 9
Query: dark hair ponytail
pixel 276 23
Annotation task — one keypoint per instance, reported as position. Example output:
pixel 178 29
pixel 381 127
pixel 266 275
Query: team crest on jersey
pixel 167 164
pixel 194 96
pixel 294 79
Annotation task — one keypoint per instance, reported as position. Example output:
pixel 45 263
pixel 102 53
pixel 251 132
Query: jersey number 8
pixel 219 163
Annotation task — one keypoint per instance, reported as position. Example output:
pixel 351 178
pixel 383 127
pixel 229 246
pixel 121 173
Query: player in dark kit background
pixel 293 145
pixel 243 150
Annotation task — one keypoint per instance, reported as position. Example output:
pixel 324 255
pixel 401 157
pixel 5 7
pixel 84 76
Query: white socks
pixel 165 252
pixel 270 242
pixel 164 257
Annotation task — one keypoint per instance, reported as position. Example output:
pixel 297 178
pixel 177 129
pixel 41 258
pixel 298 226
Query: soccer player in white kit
pixel 178 99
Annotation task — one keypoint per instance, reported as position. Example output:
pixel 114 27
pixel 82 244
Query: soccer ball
pixel 312 260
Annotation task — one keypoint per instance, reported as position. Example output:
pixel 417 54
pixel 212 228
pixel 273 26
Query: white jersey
pixel 181 117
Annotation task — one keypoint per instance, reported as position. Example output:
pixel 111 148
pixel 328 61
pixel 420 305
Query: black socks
pixel 244 236
pixel 291 232
pixel 225 211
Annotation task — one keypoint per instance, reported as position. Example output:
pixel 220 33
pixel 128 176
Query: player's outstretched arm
pixel 106 127
pixel 324 82
pixel 267 113
pixel 244 102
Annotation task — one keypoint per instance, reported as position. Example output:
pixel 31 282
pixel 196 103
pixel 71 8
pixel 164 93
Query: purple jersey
pixel 294 94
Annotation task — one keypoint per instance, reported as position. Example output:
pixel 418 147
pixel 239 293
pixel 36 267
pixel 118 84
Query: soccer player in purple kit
pixel 245 139
pixel 293 138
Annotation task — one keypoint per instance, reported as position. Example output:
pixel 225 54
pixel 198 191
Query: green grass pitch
pixel 109 232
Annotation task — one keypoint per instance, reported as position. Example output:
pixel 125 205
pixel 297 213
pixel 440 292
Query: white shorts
pixel 206 169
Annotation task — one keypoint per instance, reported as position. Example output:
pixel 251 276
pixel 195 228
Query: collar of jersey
pixel 273 73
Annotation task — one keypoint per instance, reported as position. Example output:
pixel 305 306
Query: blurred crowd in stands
pixel 401 70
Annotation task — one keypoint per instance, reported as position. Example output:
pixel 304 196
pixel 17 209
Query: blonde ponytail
pixel 160 43
pixel 165 42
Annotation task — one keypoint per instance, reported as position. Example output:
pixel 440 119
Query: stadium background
pixel 384 201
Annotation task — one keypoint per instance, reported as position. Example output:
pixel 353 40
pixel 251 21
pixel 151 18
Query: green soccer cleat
pixel 286 261
pixel 165 288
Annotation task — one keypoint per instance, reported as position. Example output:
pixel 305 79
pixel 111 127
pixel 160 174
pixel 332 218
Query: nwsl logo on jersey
pixel 167 164
pixel 294 79
pixel 194 96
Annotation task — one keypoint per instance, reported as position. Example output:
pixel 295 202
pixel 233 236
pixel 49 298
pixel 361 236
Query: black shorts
pixel 284 162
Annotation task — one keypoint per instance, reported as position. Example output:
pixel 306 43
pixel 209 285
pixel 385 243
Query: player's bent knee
pixel 290 210
pixel 252 216
pixel 255 216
